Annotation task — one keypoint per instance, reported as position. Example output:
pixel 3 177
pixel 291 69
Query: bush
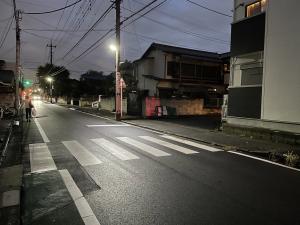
pixel 291 159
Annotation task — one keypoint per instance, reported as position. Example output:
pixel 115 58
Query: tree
pixel 60 76
pixel 95 83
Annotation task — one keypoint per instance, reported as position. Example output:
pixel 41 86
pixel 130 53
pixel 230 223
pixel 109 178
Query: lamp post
pixel 50 80
pixel 118 99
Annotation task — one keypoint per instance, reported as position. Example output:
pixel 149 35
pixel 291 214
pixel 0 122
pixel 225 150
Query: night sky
pixel 176 22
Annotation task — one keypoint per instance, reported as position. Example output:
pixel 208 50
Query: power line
pixel 135 13
pixel 61 30
pixel 6 19
pixel 36 35
pixel 94 45
pixel 202 36
pixel 52 11
pixel 209 9
pixel 4 36
pixel 106 12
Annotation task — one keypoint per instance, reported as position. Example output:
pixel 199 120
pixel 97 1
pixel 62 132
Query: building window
pixel 256 8
pixel 187 70
pixel 173 69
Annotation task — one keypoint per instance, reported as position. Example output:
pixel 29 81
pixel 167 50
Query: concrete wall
pixel 109 104
pixel 185 107
pixel 154 65
pixel 143 68
pixel 281 80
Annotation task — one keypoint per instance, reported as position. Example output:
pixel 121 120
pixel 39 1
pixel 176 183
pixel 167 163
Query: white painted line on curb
pixel 81 203
pixel 114 149
pixel 144 147
pixel 191 143
pixel 109 125
pixel 83 156
pixel 42 132
pixel 264 160
pixel 40 158
pixel 169 145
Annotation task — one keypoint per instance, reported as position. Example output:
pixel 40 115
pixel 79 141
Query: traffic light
pixel 27 83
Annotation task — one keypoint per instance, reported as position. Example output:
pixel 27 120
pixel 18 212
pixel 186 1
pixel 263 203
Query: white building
pixel 264 89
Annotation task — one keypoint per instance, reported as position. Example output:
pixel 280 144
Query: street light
pixel 50 80
pixel 118 99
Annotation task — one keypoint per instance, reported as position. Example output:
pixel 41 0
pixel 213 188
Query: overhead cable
pixel 4 36
pixel 94 45
pixel 52 11
pixel 209 9
pixel 107 11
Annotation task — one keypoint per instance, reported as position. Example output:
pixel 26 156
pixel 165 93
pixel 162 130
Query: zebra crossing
pixel 122 147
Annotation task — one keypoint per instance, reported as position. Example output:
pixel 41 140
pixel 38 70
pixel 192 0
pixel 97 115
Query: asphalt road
pixel 133 176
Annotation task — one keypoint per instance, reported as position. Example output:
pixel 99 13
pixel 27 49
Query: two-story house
pixel 167 71
pixel 264 89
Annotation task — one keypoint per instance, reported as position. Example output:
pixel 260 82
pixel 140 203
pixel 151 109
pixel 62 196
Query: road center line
pixel 42 132
pixel 109 125
pixel 264 160
pixel 81 203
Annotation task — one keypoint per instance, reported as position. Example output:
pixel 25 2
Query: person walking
pixel 28 107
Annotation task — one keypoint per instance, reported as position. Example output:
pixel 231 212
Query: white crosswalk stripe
pixel 83 156
pixel 191 143
pixel 169 145
pixel 114 149
pixel 40 158
pixel 144 147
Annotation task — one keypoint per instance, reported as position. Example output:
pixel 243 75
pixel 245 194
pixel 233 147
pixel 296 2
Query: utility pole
pixel 51 52
pixel 118 47
pixel 17 14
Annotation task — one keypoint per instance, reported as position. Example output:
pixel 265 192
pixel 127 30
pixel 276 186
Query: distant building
pixel 167 71
pixel 264 88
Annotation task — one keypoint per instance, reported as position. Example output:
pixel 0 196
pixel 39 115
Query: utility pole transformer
pixel 51 52
pixel 118 75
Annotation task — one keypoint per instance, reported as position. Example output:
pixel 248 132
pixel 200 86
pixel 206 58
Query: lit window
pixel 256 8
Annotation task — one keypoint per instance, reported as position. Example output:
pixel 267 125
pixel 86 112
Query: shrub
pixel 291 159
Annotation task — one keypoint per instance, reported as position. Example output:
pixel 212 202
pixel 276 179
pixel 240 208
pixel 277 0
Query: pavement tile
pixel 10 198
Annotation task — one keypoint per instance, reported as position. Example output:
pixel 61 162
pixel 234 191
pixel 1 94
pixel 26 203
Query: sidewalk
pixel 10 173
pixel 199 129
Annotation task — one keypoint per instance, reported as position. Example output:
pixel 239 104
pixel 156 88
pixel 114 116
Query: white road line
pixel 81 203
pixel 40 158
pixel 114 149
pixel 144 147
pixel 83 156
pixel 264 160
pixel 191 143
pixel 42 132
pixel 90 114
pixel 109 125
pixel 169 145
